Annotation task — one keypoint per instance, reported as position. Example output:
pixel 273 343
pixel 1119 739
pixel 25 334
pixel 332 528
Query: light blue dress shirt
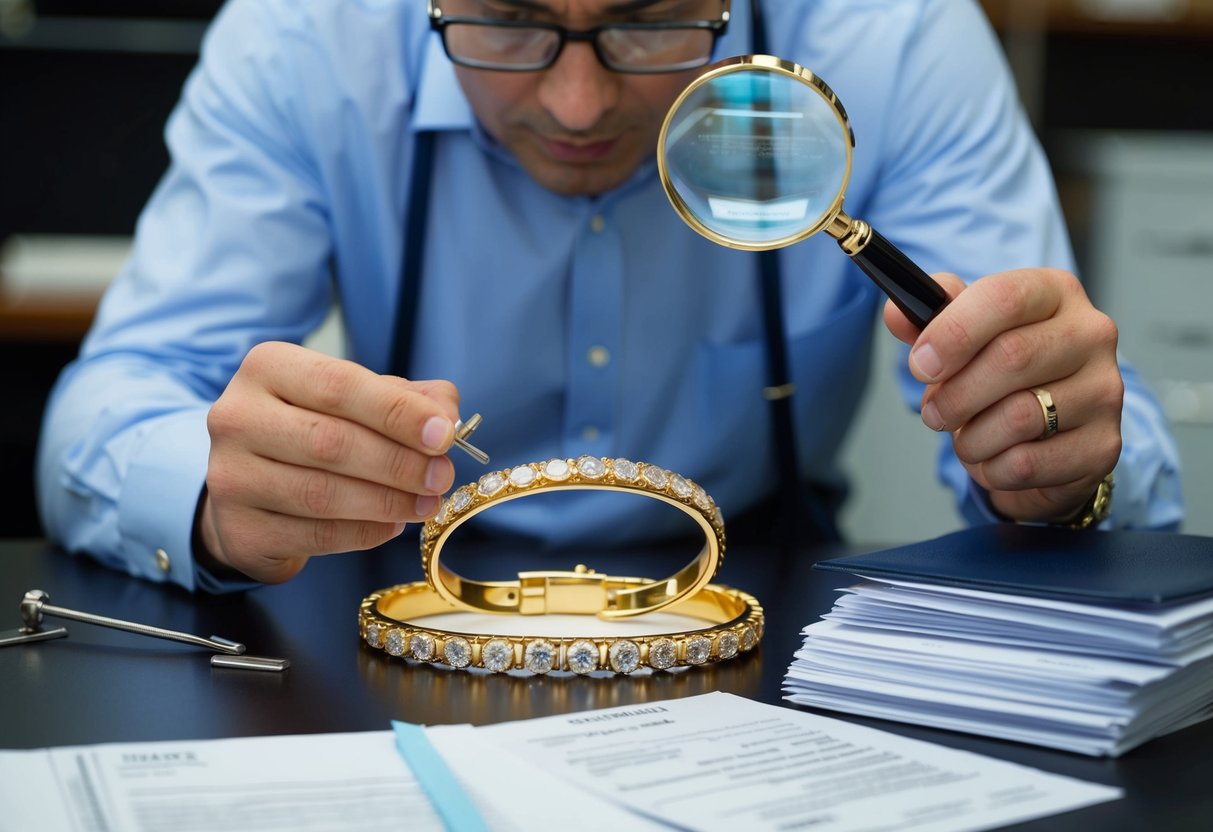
pixel 598 325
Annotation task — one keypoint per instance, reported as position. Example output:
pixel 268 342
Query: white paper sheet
pixel 526 796
pixel 954 654
pixel 307 782
pixel 721 762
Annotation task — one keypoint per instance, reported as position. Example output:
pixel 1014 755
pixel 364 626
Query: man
pixel 558 292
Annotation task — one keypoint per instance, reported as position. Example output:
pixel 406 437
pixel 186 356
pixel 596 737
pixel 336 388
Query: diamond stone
pixel 457 652
pixel 748 638
pixel 539 656
pixel 700 497
pixel 374 634
pixel 698 649
pixel 657 476
pixel 727 644
pixel 557 470
pixel 497 655
pixel 582 656
pixel 461 499
pixel 624 656
pixel 625 470
pixel 522 476
pixel 680 486
pixel 663 653
pixel 591 466
pixel 421 645
pixel 441 516
pixel 490 484
pixel 394 643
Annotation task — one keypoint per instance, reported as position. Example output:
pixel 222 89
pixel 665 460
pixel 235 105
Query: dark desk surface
pixel 100 685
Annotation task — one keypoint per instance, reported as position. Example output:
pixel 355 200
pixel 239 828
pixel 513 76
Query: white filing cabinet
pixel 1150 266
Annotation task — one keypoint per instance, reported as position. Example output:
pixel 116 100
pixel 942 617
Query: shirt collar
pixel 440 102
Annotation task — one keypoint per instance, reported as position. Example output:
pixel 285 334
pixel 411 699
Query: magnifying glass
pixel 756 154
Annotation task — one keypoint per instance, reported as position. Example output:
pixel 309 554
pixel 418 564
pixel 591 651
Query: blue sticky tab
pixel 450 800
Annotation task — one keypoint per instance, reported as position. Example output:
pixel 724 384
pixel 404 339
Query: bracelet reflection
pixel 431 694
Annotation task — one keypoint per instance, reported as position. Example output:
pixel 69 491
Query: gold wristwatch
pixel 1096 508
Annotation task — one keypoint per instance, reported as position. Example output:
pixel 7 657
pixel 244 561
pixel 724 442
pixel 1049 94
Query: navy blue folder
pixel 1122 567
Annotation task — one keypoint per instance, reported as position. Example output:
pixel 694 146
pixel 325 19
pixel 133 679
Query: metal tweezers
pixel 35 605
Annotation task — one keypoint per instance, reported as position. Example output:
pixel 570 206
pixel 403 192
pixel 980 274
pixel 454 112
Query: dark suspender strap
pixel 779 391
pixel 414 253
pixel 800 514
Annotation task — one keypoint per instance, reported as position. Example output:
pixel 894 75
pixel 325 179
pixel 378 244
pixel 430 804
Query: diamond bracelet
pixel 387 621
pixel 542 592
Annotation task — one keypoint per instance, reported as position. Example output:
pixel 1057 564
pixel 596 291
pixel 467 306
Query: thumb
pixel 900 325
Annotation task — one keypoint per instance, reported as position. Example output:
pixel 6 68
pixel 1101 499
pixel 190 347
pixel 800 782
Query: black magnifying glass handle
pixel 910 288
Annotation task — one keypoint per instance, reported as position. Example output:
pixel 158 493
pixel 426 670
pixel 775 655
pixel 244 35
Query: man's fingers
pixel 272 548
pixel 421 417
pixel 1020 417
pixel 312 455
pixel 1075 347
pixel 310 439
pixel 313 493
pixel 900 325
pixel 986 309
pixel 1012 362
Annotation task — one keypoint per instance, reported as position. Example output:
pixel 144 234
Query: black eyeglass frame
pixel 438 23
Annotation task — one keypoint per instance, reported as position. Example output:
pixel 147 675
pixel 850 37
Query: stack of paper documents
pixel 1101 642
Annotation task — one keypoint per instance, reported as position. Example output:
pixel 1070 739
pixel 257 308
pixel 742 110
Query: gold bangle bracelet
pixel 579 593
pixel 387 621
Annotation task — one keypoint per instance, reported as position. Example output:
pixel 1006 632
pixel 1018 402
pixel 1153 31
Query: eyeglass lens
pixel 520 47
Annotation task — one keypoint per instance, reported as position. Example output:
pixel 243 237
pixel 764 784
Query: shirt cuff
pixel 976 506
pixel 159 499
pixel 978 510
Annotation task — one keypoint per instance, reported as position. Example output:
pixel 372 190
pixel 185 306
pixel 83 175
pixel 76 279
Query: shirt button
pixel 162 561
pixel 590 433
pixel 597 223
pixel 598 356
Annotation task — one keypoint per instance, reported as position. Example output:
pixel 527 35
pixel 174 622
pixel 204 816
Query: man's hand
pixel 982 356
pixel 312 455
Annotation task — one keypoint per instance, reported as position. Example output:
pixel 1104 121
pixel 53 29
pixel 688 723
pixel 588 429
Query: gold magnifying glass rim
pixel 778 66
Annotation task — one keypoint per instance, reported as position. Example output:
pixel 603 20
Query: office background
pixel 1117 89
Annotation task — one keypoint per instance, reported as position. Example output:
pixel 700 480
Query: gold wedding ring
pixel 1049 409
pixel 582 591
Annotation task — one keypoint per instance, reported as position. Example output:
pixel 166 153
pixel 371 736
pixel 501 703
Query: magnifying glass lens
pixel 756 154
pixel 757 157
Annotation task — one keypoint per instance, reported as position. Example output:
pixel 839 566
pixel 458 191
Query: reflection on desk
pixel 436 694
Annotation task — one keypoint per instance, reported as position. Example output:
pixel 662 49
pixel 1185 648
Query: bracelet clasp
pixel 580 592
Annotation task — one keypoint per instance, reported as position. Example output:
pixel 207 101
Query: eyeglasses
pixel 529 46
